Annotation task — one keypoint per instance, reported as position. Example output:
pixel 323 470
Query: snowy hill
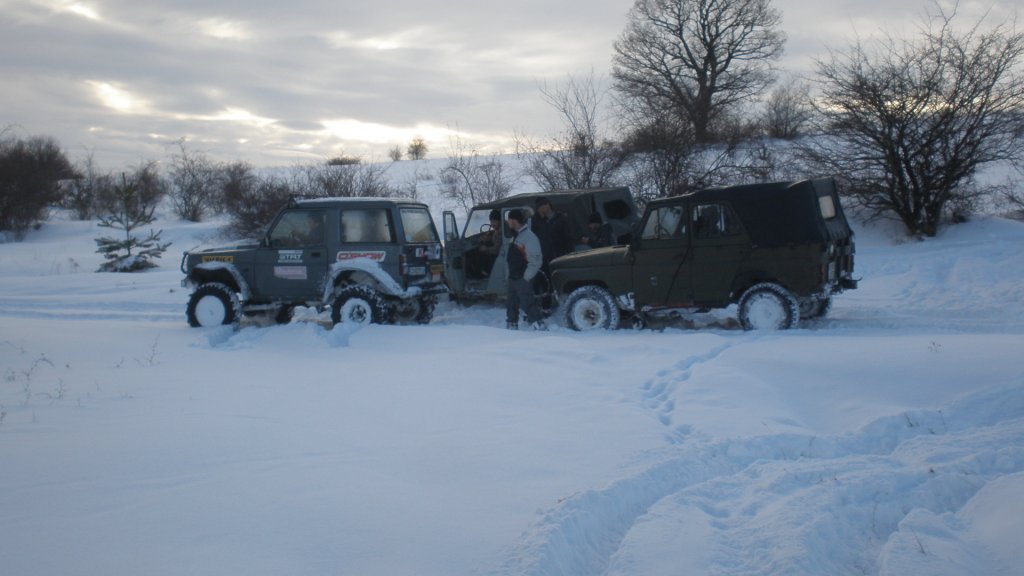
pixel 886 439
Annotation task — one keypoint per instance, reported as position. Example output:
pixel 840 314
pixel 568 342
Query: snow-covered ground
pixel 886 439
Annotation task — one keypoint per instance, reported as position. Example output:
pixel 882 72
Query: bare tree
pixel 351 180
pixel 696 59
pixel 788 110
pixel 417 149
pixel 665 158
pixel 81 195
pixel 471 179
pixel 581 156
pixel 914 119
pixel 195 183
pixel 252 203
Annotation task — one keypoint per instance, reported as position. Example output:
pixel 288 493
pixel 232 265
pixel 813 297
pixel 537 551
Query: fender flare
pixel 383 282
pixel 220 268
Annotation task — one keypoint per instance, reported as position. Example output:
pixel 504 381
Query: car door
pixel 292 264
pixel 719 246
pixel 454 254
pixel 661 256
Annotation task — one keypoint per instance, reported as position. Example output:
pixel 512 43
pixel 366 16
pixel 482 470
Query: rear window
pixel 617 210
pixel 418 225
pixel 827 206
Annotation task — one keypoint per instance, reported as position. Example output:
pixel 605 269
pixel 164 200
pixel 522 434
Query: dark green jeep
pixel 780 251
pixel 368 259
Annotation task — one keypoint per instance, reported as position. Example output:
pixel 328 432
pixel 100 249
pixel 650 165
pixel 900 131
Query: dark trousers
pixel 520 297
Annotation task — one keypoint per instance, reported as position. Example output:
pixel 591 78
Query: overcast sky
pixel 279 82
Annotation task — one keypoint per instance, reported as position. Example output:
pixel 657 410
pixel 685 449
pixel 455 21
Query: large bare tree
pixel 914 118
pixel 582 155
pixel 698 59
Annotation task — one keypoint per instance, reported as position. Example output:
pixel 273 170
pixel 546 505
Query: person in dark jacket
pixel 524 262
pixel 552 229
pixel 599 233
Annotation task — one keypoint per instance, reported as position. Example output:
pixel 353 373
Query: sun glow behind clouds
pixel 76 8
pixel 240 116
pixel 352 129
pixel 118 98
pixel 224 29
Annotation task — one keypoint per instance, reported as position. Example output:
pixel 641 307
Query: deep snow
pixel 886 439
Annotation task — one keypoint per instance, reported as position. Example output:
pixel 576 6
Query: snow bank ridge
pixel 939 460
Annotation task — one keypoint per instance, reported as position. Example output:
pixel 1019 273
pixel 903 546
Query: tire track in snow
pixel 940 457
pixel 107 310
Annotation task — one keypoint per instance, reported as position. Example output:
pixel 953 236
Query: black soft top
pixel 783 213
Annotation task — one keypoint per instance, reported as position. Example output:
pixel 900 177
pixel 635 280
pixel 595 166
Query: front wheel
pixel 815 308
pixel 590 308
pixel 358 305
pixel 212 304
pixel 768 306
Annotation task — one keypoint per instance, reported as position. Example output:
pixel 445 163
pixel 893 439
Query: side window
pixel 366 225
pixel 418 225
pixel 617 210
pixel 827 207
pixel 714 221
pixel 664 223
pixel 298 228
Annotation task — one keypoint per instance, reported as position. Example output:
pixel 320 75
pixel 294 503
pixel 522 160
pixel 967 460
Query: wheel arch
pixel 222 273
pixel 363 272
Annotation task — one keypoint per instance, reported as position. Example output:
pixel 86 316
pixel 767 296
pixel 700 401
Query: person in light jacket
pixel 524 262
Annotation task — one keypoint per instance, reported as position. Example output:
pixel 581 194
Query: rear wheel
pixel 590 308
pixel 768 306
pixel 212 304
pixel 415 310
pixel 358 305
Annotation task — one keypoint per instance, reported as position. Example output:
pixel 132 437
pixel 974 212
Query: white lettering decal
pixel 375 255
pixel 289 256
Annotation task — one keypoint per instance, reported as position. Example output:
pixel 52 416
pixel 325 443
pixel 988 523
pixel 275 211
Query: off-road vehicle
pixel 473 275
pixel 367 259
pixel 780 251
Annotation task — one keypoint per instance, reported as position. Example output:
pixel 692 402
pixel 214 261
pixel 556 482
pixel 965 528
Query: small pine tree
pixel 128 212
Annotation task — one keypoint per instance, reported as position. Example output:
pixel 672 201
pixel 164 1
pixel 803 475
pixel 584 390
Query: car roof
pixel 776 213
pixel 336 200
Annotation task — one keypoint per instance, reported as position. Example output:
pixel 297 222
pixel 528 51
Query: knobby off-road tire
pixel 359 305
pixel 768 306
pixel 815 308
pixel 415 310
pixel 590 308
pixel 213 304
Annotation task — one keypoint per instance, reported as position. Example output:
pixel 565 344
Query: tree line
pixel 904 123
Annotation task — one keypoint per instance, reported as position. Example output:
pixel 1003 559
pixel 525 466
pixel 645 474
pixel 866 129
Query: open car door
pixel 454 255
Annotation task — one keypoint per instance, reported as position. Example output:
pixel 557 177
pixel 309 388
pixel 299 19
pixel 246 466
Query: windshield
pixel 479 221
pixel 418 225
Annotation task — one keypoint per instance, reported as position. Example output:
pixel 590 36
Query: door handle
pixel 314 254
